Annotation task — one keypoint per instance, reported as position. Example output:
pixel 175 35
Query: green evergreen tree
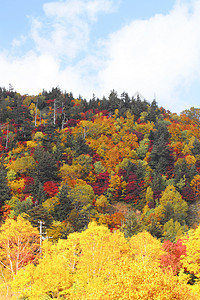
pixel 161 156
pixel 113 101
pixel 196 147
pixel 138 106
pixel 5 194
pixel 80 146
pixel 46 169
pixel 37 214
pixel 153 112
pixel 62 210
pixel 38 192
pixel 154 228
pixel 22 206
pixel 157 183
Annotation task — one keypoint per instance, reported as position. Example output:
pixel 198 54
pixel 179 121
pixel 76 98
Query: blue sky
pixel 93 46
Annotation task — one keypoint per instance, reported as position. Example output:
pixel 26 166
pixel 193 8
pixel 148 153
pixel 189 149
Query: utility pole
pixel 42 238
pixel 41 233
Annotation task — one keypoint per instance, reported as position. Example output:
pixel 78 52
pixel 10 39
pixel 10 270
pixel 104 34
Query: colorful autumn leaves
pixel 96 264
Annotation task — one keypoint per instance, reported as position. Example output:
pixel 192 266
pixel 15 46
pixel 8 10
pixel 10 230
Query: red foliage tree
pixel 50 188
pixel 198 165
pixel 71 122
pixel 28 184
pixel 188 194
pixel 174 251
pixel 101 184
pixel 132 192
pixel 133 189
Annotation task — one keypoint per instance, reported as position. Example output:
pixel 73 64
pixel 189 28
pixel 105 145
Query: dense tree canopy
pixel 124 163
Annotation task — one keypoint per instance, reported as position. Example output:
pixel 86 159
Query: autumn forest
pixel 99 198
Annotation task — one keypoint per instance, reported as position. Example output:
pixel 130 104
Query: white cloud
pixel 18 42
pixel 67 31
pixel 29 73
pixel 58 38
pixel 158 56
pixel 73 9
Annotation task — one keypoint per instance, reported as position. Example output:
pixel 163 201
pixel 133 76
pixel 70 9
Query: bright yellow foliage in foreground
pixel 99 265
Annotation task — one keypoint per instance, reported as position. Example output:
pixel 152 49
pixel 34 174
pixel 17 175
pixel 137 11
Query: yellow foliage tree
pixel 52 277
pixel 19 149
pixel 173 231
pixel 102 204
pixel 50 203
pixel 195 185
pixel 23 164
pixel 137 281
pixel 100 249
pixel 171 199
pixel 16 186
pixel 31 144
pixel 98 264
pixel 191 261
pixel 190 160
pixel 149 195
pixel 145 246
pixel 69 174
pixel 19 244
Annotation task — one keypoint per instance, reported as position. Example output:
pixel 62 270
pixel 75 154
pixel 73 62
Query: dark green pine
pixel 5 194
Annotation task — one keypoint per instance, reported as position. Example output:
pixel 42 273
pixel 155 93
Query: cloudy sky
pixel 94 46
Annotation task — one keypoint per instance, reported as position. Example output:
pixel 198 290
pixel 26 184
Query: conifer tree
pixel 5 194
pixel 62 210
pixel 80 146
pixel 37 214
pixel 46 169
pixel 161 156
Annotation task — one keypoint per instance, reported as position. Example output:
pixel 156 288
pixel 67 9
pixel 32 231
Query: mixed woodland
pixel 99 198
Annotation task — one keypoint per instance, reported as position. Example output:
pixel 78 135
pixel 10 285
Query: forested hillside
pixel 115 184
